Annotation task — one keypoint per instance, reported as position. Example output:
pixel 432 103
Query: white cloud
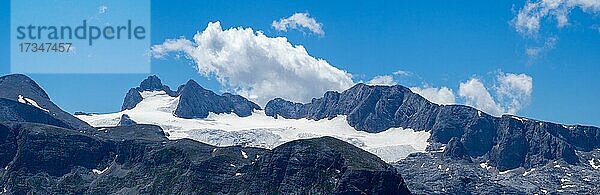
pixel 386 80
pixel 528 20
pixel 402 73
pixel 510 92
pixel 534 52
pixel 298 21
pixel 513 92
pixel 477 95
pixel 256 66
pixel 443 95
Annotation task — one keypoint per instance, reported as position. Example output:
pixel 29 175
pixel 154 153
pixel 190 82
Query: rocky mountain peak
pixel 197 102
pixel 152 83
pixel 22 89
pixel 14 85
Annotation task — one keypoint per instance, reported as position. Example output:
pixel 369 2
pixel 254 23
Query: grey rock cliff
pixel 507 142
pixel 197 102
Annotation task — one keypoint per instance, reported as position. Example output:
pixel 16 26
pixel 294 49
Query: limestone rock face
pixel 197 102
pixel 507 142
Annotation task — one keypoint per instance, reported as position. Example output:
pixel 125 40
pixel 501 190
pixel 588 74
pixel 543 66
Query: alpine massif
pixel 46 151
pixel 364 140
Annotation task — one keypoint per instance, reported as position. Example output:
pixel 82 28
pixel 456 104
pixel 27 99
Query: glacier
pixel 260 130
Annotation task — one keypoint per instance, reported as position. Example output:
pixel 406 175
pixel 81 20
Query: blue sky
pixel 106 56
pixel 442 44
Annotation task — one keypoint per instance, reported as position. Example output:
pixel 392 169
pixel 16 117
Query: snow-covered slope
pixel 259 130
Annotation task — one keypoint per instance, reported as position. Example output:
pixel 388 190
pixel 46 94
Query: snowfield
pixel 260 130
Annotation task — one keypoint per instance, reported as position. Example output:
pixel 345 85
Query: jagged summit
pixel 194 100
pixel 197 102
pixel 151 83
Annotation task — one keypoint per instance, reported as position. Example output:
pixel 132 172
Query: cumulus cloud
pixel 513 92
pixel 529 18
pixel 478 96
pixel 299 21
pixel 443 95
pixel 256 66
pixel 386 80
pixel 508 94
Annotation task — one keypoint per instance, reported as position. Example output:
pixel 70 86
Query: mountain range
pixel 366 139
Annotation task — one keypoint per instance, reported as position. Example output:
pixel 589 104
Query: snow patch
pixel 519 118
pixel 568 186
pixel 31 102
pixel 485 166
pixel 528 172
pixel 586 179
pixel 593 164
pixel 99 172
pixel 260 130
pixel 244 154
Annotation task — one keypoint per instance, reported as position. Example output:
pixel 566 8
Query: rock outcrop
pixel 197 102
pixel 126 121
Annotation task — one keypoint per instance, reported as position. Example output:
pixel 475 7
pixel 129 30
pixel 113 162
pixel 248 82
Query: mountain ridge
pixel 140 159
pixel 506 142
pixel 194 100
